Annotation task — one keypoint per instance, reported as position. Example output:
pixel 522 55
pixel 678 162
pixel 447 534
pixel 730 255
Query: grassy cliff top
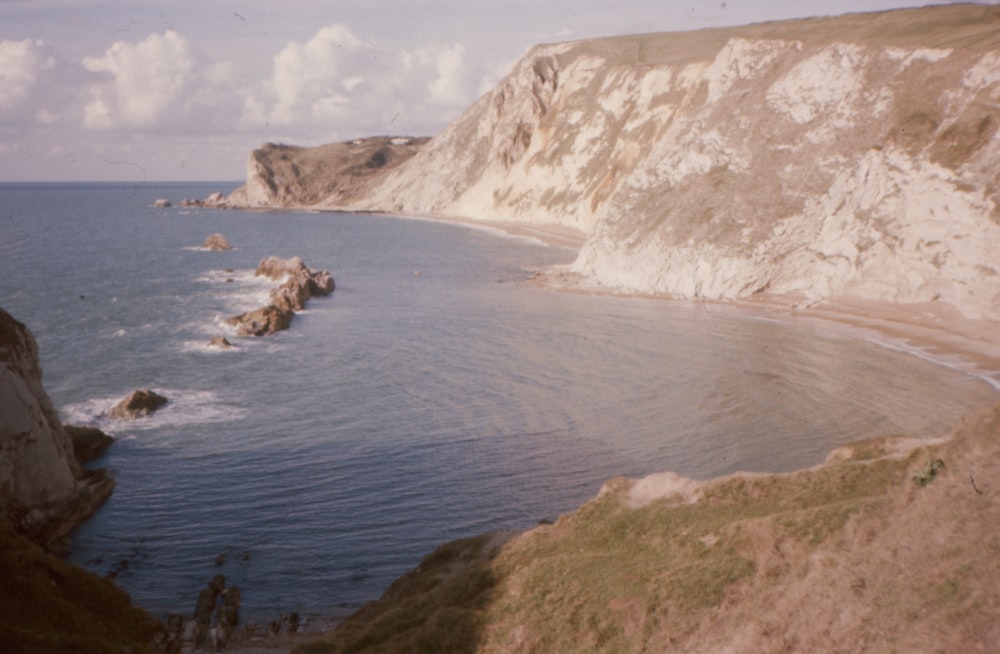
pixel 949 26
pixel 885 546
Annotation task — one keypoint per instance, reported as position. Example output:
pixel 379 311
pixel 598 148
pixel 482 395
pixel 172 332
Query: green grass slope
pixel 48 605
pixel 876 550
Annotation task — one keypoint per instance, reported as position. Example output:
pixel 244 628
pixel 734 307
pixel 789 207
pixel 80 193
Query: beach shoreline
pixel 934 331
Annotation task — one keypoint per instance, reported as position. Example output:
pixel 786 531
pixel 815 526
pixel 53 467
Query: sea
pixel 438 393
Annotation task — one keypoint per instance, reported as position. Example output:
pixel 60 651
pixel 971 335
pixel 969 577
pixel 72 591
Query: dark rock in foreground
pixel 137 404
pixel 88 442
pixel 215 618
pixel 44 492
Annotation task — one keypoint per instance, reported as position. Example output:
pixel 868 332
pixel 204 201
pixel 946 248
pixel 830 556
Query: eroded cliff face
pixel 819 158
pixel 820 170
pixel 43 491
pixel 855 155
pixel 338 173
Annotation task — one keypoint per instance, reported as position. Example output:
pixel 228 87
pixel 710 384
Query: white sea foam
pixel 202 248
pixel 958 364
pixel 205 347
pixel 184 407
pixel 241 276
pixel 240 290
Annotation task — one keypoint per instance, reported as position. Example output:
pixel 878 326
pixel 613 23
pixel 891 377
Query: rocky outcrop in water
pixel 262 321
pixel 220 342
pixel 44 492
pixel 216 242
pixel 290 296
pixel 215 200
pixel 137 404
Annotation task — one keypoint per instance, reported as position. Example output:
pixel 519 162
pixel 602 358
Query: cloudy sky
pixel 183 90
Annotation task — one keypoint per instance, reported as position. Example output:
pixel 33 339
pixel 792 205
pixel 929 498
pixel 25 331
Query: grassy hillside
pixel 881 549
pixel 48 605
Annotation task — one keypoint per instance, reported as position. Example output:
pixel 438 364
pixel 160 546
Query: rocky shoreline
pixel 45 492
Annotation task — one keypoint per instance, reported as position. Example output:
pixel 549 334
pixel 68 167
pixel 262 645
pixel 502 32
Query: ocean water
pixel 434 395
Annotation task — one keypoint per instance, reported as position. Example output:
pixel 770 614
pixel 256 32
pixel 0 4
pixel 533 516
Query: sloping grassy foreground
pixel 880 549
pixel 48 605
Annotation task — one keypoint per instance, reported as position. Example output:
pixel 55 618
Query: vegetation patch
pixel 614 578
pixel 48 605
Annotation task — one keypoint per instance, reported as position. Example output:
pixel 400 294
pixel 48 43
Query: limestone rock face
pixel 216 242
pixel 137 404
pixel 853 155
pixel 43 490
pixel 843 156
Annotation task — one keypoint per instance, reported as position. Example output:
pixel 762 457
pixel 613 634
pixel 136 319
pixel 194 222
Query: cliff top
pixel 949 26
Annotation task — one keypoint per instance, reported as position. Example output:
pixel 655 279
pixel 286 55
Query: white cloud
pixel 313 80
pixel 448 78
pixel 339 83
pixel 28 71
pixel 147 80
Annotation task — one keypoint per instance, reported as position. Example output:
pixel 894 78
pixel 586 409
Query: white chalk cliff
pixel 43 490
pixel 849 156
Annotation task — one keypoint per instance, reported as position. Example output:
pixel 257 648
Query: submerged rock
pixel 220 342
pixel 137 404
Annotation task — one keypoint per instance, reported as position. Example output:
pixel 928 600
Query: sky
pixel 102 90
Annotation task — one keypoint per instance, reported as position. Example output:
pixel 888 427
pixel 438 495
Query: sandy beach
pixel 935 331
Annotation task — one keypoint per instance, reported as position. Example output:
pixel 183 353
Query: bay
pixel 435 395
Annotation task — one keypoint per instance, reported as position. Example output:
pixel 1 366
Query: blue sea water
pixel 434 395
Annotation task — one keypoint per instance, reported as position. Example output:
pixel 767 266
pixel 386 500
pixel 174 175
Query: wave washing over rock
pixel 822 157
pixel 298 285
